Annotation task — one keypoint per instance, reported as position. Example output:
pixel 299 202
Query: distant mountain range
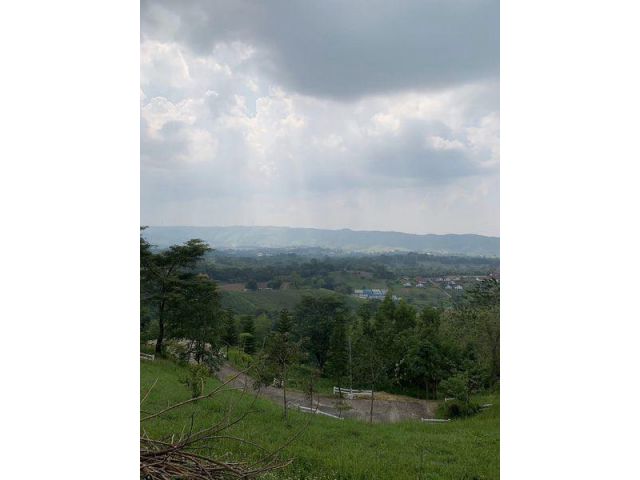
pixel 345 240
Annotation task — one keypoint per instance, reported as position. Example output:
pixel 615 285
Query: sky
pixel 369 115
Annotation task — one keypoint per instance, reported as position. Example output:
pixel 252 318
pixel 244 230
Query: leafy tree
pixel 247 337
pixel 251 285
pixel 370 365
pixel 196 377
pixel 457 386
pixel 145 288
pixel 160 275
pixel 285 322
pixel 387 309
pixel 279 354
pixel 424 361
pixel 195 314
pixel 475 324
pixel 404 316
pixel 368 309
pixel 247 342
pixel 337 365
pixel 384 335
pixel 430 321
pixel 315 318
pixel 229 331
pixel 263 325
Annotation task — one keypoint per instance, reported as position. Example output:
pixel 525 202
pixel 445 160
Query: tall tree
pixel 404 317
pixel 285 322
pixel 279 353
pixel 161 276
pixel 337 365
pixel 384 335
pixel 145 291
pixel 424 362
pixel 195 314
pixel 229 331
pixel 315 318
pixel 475 324
pixel 369 365
pixel 247 337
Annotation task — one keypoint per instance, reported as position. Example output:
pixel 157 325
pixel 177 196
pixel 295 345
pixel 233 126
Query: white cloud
pixel 226 142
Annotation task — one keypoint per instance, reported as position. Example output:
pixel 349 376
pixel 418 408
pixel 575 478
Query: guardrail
pixel 352 393
pixel 147 356
pixel 314 410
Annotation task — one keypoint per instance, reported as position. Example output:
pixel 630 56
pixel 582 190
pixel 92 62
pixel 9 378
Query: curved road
pixel 386 407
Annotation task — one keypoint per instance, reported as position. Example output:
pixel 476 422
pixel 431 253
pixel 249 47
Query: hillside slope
pixel 345 240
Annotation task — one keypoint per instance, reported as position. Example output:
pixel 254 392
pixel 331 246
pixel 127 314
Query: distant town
pixel 452 282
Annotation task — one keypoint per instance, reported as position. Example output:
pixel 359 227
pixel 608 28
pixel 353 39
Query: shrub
pixel 457 386
pixel 456 408
pixel 176 351
pixel 247 342
pixel 195 379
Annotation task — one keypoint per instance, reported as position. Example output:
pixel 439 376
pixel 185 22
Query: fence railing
pixel 147 356
pixel 313 410
pixel 352 393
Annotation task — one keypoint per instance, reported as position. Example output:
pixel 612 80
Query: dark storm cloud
pixel 343 49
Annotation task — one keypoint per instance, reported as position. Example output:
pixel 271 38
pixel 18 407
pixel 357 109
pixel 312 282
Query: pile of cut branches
pixel 183 458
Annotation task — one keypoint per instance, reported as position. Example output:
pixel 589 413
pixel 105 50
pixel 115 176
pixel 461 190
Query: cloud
pixel 343 49
pixel 315 115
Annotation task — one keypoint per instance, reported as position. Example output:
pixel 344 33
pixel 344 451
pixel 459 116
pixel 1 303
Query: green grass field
pixel 328 448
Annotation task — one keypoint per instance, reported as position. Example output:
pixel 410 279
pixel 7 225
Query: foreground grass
pixel 328 448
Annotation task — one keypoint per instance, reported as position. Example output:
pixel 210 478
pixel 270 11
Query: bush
pixel 195 379
pixel 239 358
pixel 176 351
pixel 457 386
pixel 247 342
pixel 456 409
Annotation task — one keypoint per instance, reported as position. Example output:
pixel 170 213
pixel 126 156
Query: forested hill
pixel 346 240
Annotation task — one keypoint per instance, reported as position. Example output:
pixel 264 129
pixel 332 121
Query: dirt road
pixel 387 408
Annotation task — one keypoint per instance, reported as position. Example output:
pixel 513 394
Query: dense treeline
pixel 226 267
pixel 304 271
pixel 383 345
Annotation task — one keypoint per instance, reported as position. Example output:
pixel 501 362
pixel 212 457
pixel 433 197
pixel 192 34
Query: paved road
pixel 387 408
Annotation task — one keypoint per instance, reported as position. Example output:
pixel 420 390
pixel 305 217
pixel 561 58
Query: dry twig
pixel 178 459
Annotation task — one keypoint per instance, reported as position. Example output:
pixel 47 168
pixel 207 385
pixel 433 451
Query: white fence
pixel 313 410
pixel 436 420
pixel 352 393
pixel 147 356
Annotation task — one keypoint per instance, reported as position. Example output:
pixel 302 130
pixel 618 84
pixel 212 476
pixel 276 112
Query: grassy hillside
pixel 333 449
